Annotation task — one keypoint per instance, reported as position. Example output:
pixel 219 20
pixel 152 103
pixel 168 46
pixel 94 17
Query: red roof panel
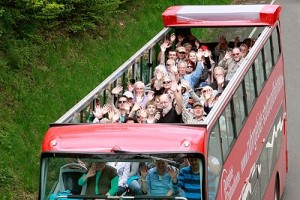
pixel 126 137
pixel 222 15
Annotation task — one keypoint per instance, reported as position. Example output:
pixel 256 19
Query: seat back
pixel 68 179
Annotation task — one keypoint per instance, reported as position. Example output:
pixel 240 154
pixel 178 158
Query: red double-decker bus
pixel 240 149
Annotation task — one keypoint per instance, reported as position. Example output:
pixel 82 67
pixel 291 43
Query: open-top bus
pixel 245 131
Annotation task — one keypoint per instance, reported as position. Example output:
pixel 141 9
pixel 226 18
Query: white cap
pixel 128 94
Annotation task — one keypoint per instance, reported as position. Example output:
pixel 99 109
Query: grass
pixel 41 81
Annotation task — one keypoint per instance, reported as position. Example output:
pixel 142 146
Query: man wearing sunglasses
pixel 231 62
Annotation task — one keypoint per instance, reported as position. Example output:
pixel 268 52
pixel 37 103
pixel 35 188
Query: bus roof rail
pixel 221 15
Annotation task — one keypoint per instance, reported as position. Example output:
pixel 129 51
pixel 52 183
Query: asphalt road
pixel 290 25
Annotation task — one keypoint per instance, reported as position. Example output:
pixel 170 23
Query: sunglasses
pixel 235 54
pixel 189 66
pixel 166 82
pixel 122 101
pixel 182 52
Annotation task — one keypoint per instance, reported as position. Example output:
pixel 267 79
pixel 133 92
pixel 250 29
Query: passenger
pixel 152 116
pixel 220 83
pixel 190 66
pixel 188 47
pixel 169 113
pixel 123 169
pixel 188 180
pixel 249 42
pixel 172 54
pixel 208 64
pixel 133 183
pixel 207 98
pixel 167 84
pixel 139 93
pixel 101 179
pixel 231 62
pixel 221 49
pixel 123 108
pixel 181 54
pixel 193 56
pixel 156 181
pixel 172 70
pixel 179 39
pixel 193 77
pixel 244 50
pixel 129 96
pixel 194 116
pixel 159 72
pixel 164 47
pixel 126 171
pixel 135 112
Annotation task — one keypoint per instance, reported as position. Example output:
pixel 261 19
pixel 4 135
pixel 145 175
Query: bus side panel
pixel 281 167
pixel 251 140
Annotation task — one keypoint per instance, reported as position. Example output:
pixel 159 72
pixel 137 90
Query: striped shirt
pixel 189 182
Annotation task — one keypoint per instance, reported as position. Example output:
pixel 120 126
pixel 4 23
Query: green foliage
pixel 44 9
pixel 22 18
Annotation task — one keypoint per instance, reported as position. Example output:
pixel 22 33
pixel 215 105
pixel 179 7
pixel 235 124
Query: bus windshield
pixel 121 176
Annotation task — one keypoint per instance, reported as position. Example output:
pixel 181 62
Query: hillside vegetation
pixel 51 56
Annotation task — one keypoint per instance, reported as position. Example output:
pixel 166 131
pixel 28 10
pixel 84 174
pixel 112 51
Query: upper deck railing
pixel 138 67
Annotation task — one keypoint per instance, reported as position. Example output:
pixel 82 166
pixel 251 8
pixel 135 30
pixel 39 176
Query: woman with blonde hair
pixel 207 98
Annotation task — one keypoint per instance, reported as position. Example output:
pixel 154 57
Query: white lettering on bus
pixel 276 129
pixel 230 182
pixel 261 119
pixel 247 190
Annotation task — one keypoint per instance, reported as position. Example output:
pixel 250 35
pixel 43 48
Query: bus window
pixel 68 174
pixel 259 72
pixel 276 44
pixel 226 130
pixel 264 174
pixel 214 161
pixel 250 89
pixel 239 108
pixel 268 57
